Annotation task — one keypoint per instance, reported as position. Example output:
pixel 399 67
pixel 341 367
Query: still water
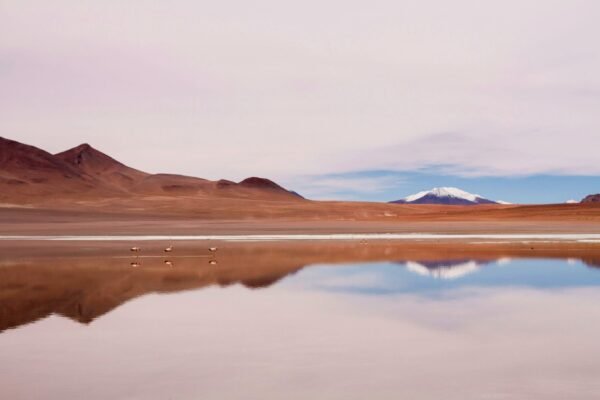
pixel 302 321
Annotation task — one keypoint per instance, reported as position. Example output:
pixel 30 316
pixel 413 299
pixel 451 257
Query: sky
pixel 334 99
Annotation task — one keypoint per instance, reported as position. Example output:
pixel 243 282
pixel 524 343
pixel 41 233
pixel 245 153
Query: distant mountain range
pixel 31 175
pixel 84 176
pixel 447 196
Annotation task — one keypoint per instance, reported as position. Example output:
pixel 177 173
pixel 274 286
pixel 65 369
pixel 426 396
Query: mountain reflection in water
pixel 347 320
pixel 85 282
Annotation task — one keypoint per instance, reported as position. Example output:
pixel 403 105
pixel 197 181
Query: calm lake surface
pixel 304 321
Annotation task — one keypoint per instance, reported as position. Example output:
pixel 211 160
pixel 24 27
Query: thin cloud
pixel 342 187
pixel 286 90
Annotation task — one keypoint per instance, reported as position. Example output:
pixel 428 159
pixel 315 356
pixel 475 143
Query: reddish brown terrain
pixel 84 191
pixel 85 177
pixel 592 198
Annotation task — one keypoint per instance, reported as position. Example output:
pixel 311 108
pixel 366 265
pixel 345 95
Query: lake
pixel 350 319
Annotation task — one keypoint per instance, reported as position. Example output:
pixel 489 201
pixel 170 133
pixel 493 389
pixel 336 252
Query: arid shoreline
pixel 298 219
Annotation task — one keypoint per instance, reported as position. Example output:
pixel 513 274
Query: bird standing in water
pixel 135 250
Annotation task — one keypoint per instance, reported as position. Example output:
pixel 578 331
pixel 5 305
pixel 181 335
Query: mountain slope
pixel 592 198
pixel 29 175
pixel 115 174
pixel 266 184
pixel 444 195
pixel 92 162
pixel 26 171
pixel 19 160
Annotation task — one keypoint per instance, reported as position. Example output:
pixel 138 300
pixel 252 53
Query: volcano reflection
pixel 84 287
pixel 451 269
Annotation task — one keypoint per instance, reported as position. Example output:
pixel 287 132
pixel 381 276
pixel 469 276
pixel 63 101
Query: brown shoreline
pixel 326 218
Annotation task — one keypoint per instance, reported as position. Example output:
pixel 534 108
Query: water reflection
pixel 83 283
pixel 446 269
pixel 447 277
pixel 319 321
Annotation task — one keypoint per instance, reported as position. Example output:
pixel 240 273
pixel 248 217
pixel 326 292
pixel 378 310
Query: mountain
pixel 592 198
pixel 26 171
pixel 445 195
pixel 264 184
pixel 29 175
pixel 87 160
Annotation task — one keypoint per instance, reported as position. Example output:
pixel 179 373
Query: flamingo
pixel 212 249
pixel 135 249
pixel 169 249
pixel 135 264
pixel 169 263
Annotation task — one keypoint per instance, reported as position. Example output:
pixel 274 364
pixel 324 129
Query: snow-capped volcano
pixel 445 195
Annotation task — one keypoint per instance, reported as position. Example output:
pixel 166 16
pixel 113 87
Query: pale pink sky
pixel 287 89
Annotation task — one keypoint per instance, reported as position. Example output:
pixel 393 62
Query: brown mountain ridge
pixel 83 190
pixel 29 175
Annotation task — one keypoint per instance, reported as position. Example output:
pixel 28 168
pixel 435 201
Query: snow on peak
pixel 444 192
pixel 443 272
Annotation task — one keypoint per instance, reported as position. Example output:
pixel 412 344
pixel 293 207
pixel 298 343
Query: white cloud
pixel 285 89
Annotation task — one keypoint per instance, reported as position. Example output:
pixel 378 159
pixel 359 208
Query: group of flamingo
pixel 137 250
